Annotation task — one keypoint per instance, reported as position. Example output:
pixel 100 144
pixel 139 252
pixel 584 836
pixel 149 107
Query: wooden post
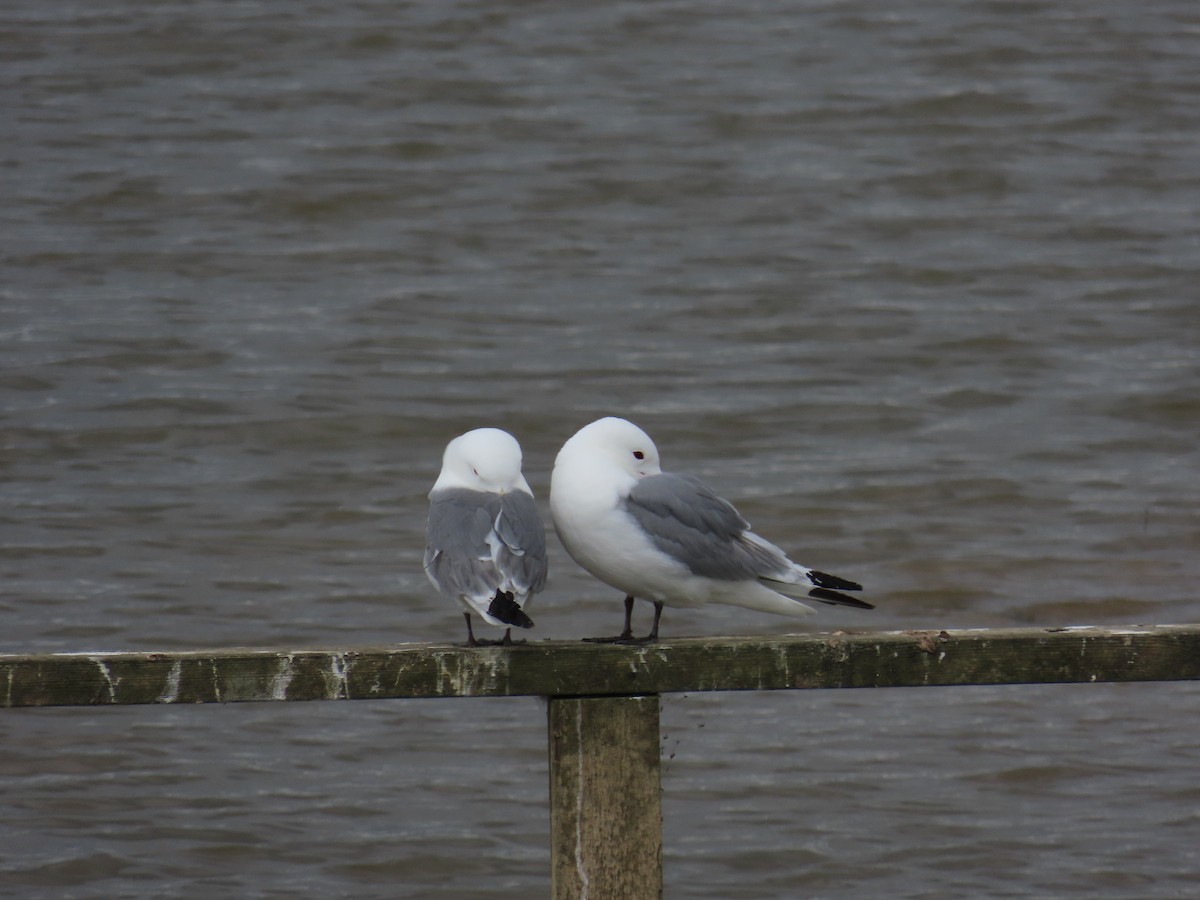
pixel 605 798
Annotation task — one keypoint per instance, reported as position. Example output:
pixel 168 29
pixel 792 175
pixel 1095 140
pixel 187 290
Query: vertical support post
pixel 605 798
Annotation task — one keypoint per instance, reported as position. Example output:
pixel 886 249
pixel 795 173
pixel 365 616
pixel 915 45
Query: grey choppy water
pixel 915 288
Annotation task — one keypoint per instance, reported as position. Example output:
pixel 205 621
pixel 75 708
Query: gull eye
pixel 476 471
pixel 638 454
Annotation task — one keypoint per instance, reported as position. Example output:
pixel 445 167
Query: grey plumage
pixel 686 520
pixel 690 523
pixel 479 542
pixel 669 538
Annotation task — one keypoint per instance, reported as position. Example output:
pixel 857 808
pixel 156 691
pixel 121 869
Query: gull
pixel 485 544
pixel 669 538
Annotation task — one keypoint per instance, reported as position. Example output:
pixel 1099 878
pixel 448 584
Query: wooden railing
pixel 606 814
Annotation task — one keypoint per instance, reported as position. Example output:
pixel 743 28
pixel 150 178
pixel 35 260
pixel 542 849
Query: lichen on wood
pixel 572 668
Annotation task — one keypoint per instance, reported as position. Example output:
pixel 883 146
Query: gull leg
pixel 508 639
pixel 653 635
pixel 627 634
pixel 471 642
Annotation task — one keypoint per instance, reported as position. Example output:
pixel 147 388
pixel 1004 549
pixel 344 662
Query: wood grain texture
pixel 605 798
pixel 569 668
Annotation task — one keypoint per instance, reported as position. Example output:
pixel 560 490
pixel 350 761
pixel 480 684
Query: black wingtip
pixel 825 580
pixel 827 596
pixel 508 611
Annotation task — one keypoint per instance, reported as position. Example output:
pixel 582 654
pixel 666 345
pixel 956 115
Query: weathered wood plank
pixel 569 668
pixel 605 798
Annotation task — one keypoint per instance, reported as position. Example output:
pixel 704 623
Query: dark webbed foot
pixel 626 636
pixel 473 641
pixel 485 642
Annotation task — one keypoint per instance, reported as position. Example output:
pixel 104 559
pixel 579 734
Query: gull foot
pixel 648 639
pixel 623 639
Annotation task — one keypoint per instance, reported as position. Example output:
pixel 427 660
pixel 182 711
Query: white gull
pixel 485 544
pixel 668 538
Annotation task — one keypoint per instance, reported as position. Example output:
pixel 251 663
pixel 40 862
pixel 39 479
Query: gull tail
pixel 822 587
pixel 504 608
pixel 829 587
pixel 824 595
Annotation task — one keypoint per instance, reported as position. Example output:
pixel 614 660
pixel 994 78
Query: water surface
pixel 915 288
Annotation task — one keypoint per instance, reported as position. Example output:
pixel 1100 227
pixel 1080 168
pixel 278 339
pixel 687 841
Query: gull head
pixel 611 445
pixel 486 459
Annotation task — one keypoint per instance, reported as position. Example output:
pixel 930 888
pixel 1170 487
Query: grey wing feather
pixel 478 542
pixel 687 521
pixel 519 527
pixel 458 559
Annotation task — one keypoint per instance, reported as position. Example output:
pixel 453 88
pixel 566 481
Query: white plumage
pixel 485 541
pixel 668 538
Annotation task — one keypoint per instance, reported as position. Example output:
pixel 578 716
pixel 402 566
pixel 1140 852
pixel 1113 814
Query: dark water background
pixel 915 286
